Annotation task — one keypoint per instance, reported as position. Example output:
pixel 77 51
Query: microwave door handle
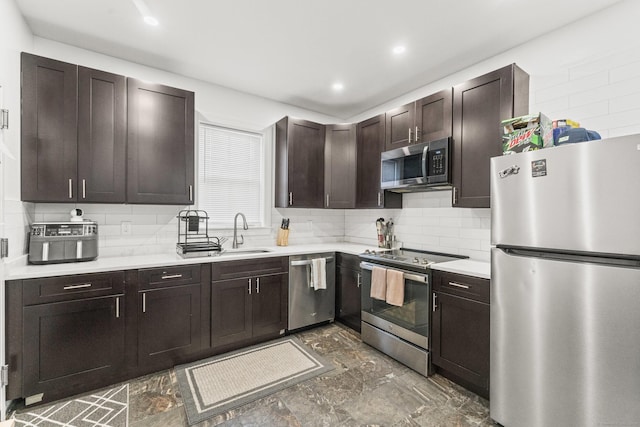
pixel 425 159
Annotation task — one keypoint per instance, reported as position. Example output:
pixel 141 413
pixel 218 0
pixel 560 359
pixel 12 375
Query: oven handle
pixel 407 274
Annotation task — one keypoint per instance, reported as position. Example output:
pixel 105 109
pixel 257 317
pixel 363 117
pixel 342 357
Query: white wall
pixel 15 37
pixel 588 71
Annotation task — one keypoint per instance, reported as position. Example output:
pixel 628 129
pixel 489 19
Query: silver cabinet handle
pixel 84 188
pixel 70 188
pixel 379 198
pixel 144 302
pixel 358 281
pixel 258 285
pixel 84 285
pixel 172 276
pixel 433 300
pixel 453 196
pixel 249 286
pixel 417 135
pixel 409 135
pixel 191 193
pixel 117 307
pixel 327 199
pixel 290 198
pixel 458 285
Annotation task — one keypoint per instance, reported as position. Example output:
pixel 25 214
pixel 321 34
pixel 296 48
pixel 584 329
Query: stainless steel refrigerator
pixel 565 297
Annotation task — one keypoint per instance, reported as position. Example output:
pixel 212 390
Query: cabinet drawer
pixel 169 276
pixel 248 268
pixel 65 288
pixel 471 287
pixel 348 261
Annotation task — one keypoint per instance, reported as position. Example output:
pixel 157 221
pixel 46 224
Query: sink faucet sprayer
pixel 245 226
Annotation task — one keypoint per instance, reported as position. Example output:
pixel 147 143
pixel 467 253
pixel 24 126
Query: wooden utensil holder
pixel 283 237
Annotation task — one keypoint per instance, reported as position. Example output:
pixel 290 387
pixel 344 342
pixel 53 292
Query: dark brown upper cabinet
pixel 73 133
pixel 49 144
pixel 101 136
pixel 160 137
pixel 478 107
pixel 370 136
pixel 424 120
pixel 299 164
pixel 75 142
pixel 339 159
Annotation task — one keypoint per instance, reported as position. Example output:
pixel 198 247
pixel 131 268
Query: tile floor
pixel 366 388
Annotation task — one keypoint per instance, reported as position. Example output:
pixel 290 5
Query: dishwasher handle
pixel 307 262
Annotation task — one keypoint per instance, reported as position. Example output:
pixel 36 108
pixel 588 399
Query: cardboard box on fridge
pixel 526 133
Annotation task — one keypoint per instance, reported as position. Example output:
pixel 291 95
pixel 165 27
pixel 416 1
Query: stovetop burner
pixel 408 258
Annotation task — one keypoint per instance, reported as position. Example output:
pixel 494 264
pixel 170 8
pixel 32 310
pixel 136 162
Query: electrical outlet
pixel 125 228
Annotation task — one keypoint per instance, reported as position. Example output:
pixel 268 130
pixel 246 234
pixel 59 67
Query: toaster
pixel 56 242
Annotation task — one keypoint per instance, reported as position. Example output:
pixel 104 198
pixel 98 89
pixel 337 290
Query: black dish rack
pixel 193 235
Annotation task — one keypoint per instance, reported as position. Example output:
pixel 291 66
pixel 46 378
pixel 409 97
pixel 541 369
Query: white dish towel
pixel 318 274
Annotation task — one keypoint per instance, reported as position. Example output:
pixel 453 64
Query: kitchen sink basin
pixel 244 251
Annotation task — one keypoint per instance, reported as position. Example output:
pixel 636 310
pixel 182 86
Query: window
pixel 231 175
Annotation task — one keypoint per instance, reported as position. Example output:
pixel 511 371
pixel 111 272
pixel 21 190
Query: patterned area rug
pixel 220 383
pixel 108 408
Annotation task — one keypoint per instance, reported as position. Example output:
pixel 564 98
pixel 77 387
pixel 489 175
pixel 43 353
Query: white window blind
pixel 230 178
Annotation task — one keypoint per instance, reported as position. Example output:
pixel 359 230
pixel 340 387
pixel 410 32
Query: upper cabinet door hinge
pixel 4 247
pixel 4 118
pixel 4 376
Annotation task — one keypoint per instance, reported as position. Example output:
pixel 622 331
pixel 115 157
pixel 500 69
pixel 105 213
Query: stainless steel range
pixel 400 331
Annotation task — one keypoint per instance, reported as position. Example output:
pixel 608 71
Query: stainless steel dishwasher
pixel 308 306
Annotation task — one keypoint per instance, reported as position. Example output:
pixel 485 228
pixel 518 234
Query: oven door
pixel 409 321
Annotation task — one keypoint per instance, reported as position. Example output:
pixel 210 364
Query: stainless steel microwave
pixel 417 167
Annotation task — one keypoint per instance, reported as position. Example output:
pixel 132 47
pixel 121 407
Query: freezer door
pixel 565 343
pixel 578 197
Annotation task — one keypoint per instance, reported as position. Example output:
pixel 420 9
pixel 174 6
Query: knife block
pixel 283 237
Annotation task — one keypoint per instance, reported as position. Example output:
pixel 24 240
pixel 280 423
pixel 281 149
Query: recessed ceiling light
pixel 399 49
pixel 151 20
pixel 337 87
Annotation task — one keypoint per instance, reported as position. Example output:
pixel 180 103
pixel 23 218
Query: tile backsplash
pixel 154 228
pixel 427 221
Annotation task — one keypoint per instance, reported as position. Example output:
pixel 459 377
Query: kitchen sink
pixel 244 251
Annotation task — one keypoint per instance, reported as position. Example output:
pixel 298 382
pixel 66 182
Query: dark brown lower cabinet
pixel 168 325
pixel 247 308
pixel 348 302
pixel 72 346
pixel 460 330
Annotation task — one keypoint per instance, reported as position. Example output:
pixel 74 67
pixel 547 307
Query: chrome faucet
pixel 245 226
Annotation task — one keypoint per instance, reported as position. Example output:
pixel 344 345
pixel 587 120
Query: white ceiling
pixel 292 51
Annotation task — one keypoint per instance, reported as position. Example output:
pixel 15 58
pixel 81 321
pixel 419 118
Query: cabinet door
pixel 48 130
pixel 168 325
pixel 433 116
pixel 479 105
pixel 231 311
pixel 399 124
pixel 73 346
pixel 370 143
pixel 269 304
pixel 339 171
pixel 460 339
pixel 160 123
pixel 101 136
pixel 306 164
pixel 348 297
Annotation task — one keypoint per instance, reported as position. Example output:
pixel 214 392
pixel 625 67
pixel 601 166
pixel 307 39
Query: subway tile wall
pixel 154 228
pixel 427 222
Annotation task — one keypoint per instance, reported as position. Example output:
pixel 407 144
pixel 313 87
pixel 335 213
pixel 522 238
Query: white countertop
pixel 466 266
pixel 20 270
